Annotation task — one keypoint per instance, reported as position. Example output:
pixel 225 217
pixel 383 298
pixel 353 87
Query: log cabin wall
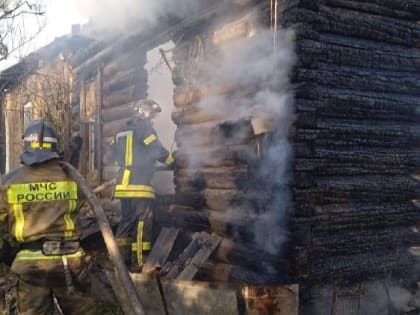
pixel 233 175
pixel 357 128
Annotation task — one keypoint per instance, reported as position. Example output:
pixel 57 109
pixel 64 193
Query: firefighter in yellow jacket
pixel 136 148
pixel 38 202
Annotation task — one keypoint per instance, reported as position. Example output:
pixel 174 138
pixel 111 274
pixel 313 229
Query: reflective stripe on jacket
pixel 136 148
pixel 39 201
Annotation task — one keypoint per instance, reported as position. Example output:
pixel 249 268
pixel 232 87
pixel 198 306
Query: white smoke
pixel 111 16
pixel 254 65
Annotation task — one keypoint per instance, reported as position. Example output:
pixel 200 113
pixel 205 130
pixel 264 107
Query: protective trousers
pixel 134 233
pixel 40 278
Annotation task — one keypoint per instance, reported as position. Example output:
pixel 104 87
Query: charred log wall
pixel 355 137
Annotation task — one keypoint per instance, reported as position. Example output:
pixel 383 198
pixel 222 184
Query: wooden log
pixel 362 266
pixel 361 25
pixel 228 133
pixel 376 216
pixel 328 245
pixel 405 10
pixel 112 127
pixel 361 79
pixel 118 112
pixel 221 177
pixel 173 269
pixel 161 250
pixel 121 97
pixel 355 52
pixel 126 78
pixel 124 62
pixel 189 199
pixel 304 197
pixel 216 156
pixel 225 199
pixel 317 92
pixel 362 107
pixel 124 44
pixel 88 52
pixel 183 217
pixel 335 168
pixel 358 127
pixel 193 115
pixel 378 183
pixel 207 247
pixel 235 30
pixel 185 97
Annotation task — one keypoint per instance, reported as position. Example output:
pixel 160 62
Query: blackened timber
pixel 316 92
pixel 340 50
pixel 173 269
pixel 369 128
pixel 207 247
pixel 334 223
pixel 161 250
pixel 305 197
pixel 355 107
pixel 353 152
pixel 363 266
pixel 331 167
pixel 347 23
pixel 360 79
pixel 359 241
pixel 404 11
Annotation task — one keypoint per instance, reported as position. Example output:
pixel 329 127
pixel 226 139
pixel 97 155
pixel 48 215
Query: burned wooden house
pixel 296 141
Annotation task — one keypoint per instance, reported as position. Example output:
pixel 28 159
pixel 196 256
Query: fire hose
pixel 111 245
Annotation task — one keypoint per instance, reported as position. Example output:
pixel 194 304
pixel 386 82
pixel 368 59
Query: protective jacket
pixel 136 148
pixel 39 202
pixel 39 205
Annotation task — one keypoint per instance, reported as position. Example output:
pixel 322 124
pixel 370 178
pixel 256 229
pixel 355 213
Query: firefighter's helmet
pixel 39 143
pixel 147 109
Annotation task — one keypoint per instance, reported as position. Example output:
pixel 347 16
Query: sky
pixel 60 15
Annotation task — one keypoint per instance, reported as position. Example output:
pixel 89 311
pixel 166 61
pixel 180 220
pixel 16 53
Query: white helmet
pixel 146 109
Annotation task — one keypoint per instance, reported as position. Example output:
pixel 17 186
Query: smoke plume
pixel 111 16
pixel 263 70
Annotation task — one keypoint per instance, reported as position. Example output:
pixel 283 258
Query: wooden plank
pixel 173 269
pixel 207 248
pixel 160 250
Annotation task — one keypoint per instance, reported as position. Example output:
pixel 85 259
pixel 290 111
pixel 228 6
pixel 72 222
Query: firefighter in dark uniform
pixel 135 149
pixel 38 203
